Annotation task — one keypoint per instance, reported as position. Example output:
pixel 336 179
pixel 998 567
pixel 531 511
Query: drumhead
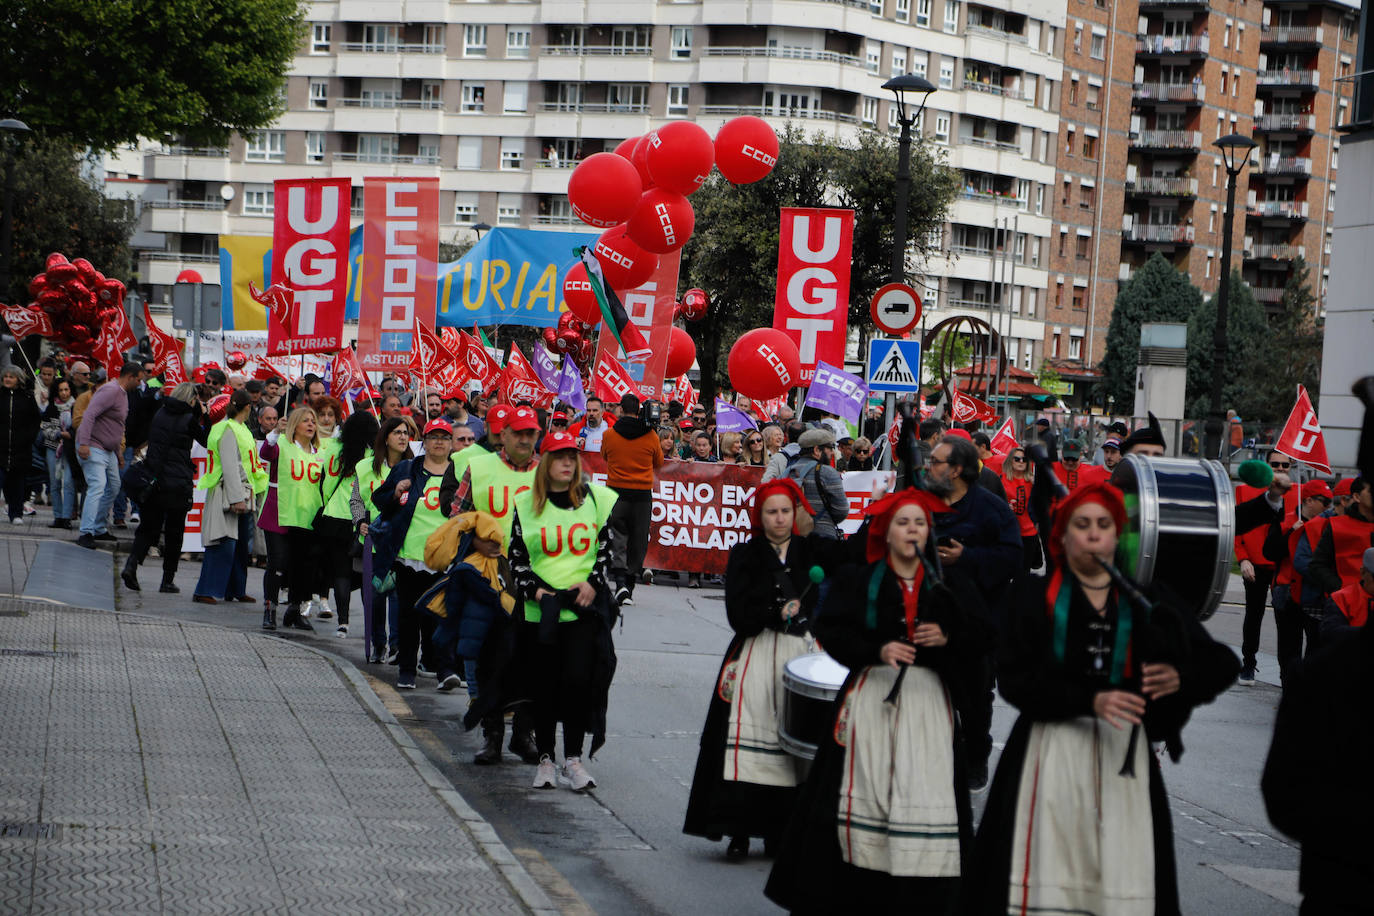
pixel 816 675
pixel 1180 525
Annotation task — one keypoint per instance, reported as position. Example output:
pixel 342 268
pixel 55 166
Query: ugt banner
pixel 511 276
pixel 650 308
pixel 310 257
pixel 400 252
pixel 812 300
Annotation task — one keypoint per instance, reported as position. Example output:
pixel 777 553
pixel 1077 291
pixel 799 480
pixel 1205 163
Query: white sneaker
pixel 576 774
pixel 342 631
pixel 17 521
pixel 545 775
pixel 134 518
pixel 29 509
pixel 322 610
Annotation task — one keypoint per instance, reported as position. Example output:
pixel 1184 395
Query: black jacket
pixel 143 406
pixel 173 428
pixel 991 536
pixel 19 423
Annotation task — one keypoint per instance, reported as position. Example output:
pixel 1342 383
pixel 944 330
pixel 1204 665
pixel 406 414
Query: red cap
pixel 1343 486
pixel 559 415
pixel 958 434
pixel 497 416
pixel 558 442
pixel 1316 488
pixel 685 424
pixel 438 425
pixel 522 418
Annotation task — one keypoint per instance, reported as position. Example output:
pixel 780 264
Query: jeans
pixel 122 502
pixel 102 483
pixel 61 487
pixel 224 569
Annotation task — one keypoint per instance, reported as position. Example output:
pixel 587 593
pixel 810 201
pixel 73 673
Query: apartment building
pixel 1149 85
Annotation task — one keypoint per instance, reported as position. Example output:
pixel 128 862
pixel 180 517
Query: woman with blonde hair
pixel 294 497
pixel 731 448
pixel 755 453
pixel 1018 479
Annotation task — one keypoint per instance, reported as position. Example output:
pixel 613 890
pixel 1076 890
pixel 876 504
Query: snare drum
pixel 1180 525
pixel 810 685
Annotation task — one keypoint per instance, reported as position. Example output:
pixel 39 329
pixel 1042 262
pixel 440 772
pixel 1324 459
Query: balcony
pixel 998 34
pixel 1309 80
pixel 1291 36
pixel 1285 166
pixel 1172 4
pixel 1269 295
pixel 595 51
pixel 1162 187
pixel 388 102
pixel 1168 140
pixel 1165 235
pixel 596 107
pixel 392 47
pixel 1278 209
pixel 832 57
pixel 1271 252
pixel 1005 146
pixel 1153 93
pixel 385 158
pixel 1286 123
pixel 162 267
pixel 1172 45
pixel 761 111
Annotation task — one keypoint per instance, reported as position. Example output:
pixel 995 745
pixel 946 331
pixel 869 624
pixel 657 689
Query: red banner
pixel 310 258
pixel 650 307
pixel 400 250
pixel 611 380
pixel 1302 438
pixel 815 249
pixel 23 322
pixel 345 374
pixel 478 362
pixel 1005 439
pixel 166 356
pixel 520 383
pixel 685 394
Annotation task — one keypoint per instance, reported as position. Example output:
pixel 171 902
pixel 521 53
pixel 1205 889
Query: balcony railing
pixel 179 256
pixel 596 107
pixel 1294 122
pixel 1008 198
pixel 1288 209
pixel 1172 44
pixel 762 111
pixel 972 82
pixel 1005 145
pixel 1288 78
pixel 1163 187
pixel 999 34
pixel 394 47
pixel 1274 252
pixel 596 51
pixel 829 57
pixel 387 102
pixel 1169 139
pixel 568 220
pixel 203 152
pixel 1169 233
pixel 186 204
pixel 1174 3
pixel 1169 92
pixel 1294 35
pixel 558 163
pixel 386 158
pixel 1267 294
pixel 972 250
pixel 1285 165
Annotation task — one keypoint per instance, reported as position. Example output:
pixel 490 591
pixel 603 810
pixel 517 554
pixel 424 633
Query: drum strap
pixel 1058 600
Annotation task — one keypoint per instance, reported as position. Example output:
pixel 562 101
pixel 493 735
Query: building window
pixel 1063 242
pixel 434 39
pixel 379 93
pixel 427 151
pixel 474 41
pixel 378 147
pixel 870 109
pixel 923 13
pixel 1098 49
pixel 266 146
pixel 465 208
pixel 319 37
pixel 1068 190
pixel 899 62
pixel 946 73
pixel 517 45
pixel 508 209
pixel 681 46
pixel 1040 200
pixel 1090 101
pixel 951 16
pixel 1073 92
pixel 469 152
pixel 319 93
pixel 314 146
pixel 873 55
pixel 942 127
pixel 892 117
pixel 381 38
pixel 1068 144
pixel 257 200
pixel 515 97
pixel 631 97
pixel 474 97
pixel 678 94
pixel 903 13
pixel 1075 342
pixel 1078 39
pixel 512 153
pixel 918 63
pixel 1089 147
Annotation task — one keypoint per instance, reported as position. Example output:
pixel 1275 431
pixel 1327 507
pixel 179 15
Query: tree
pixel 1294 354
pixel 960 355
pixel 108 73
pixel 733 254
pixel 1248 344
pixel 1158 292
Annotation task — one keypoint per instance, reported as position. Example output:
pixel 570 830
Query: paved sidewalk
pixel 153 765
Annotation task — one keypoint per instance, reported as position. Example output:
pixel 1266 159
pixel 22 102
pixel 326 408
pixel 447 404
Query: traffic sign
pixel 894 365
pixel 895 308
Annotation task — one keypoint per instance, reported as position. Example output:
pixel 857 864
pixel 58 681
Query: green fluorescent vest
pixel 248 457
pixel 425 521
pixel 495 486
pixel 562 542
pixel 299 475
pixel 330 452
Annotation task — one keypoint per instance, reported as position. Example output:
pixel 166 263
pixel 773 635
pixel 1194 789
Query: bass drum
pixel 1180 524
pixel 810 684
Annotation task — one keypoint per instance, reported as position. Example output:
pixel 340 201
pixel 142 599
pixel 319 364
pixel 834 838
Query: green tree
pixel 960 355
pixel 1158 292
pixel 733 254
pixel 1248 343
pixel 1293 356
pixel 108 73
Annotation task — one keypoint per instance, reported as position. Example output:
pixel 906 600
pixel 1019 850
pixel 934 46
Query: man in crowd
pixel 844 447
pixel 1071 470
pixel 1337 555
pixel 1111 453
pixel 268 419
pixel 1351 607
pixel 1297 600
pixel 701 447
pixel 822 485
pixel 143 403
pixel 459 416
pixel 80 378
pixel 434 405
pixel 391 406
pixel 987 478
pixel 589 430
pixel 777 465
pixel 273 395
pixel 1257 575
pixel 99 446
pixel 991 460
pixel 633 458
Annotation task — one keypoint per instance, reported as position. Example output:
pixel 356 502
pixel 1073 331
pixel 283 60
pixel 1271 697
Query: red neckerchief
pixel 910 597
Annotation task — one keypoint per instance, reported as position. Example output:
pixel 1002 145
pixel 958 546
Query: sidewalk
pixel 164 765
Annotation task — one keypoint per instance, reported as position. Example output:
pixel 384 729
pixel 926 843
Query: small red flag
pixel 1302 438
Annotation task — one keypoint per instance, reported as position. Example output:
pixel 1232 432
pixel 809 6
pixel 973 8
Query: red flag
pixel 685 394
pixel 478 361
pixel 280 303
pixel 346 375
pixel 166 356
pixel 266 370
pixel 118 326
pixel 430 356
pixel 895 432
pixel 611 380
pixel 452 338
pixel 451 380
pixel 26 321
pixel 967 408
pixel 108 352
pixel 1004 440
pixel 520 383
pixel 1302 438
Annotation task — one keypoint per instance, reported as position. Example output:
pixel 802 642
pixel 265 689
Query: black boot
pixel 269 615
pixel 293 619
pixel 522 745
pixel 130 574
pixel 168 586
pixel 492 735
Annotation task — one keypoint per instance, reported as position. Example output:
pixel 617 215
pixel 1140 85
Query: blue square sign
pixel 894 365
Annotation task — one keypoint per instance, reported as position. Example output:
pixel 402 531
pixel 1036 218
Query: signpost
pixel 893 366
pixel 196 307
pixel 895 309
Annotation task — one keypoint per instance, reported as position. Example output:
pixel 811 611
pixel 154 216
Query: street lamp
pixel 900 86
pixel 1235 153
pixel 479 228
pixel 7 211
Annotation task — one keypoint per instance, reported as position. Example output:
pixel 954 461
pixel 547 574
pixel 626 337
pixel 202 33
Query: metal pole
pixel 898 272
pixel 1006 377
pixel 1215 418
pixel 195 328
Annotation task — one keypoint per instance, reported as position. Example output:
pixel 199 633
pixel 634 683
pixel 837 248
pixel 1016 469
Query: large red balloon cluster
pixel 78 300
pixel 572 339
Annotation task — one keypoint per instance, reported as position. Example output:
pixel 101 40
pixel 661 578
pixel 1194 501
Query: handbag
pixel 140 483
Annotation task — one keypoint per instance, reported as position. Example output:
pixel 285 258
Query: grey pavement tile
pixel 16 874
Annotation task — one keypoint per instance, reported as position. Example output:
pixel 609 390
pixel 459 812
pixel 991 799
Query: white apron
pixel 752 751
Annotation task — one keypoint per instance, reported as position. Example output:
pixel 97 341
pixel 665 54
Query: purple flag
pixel 838 392
pixel 544 367
pixel 568 385
pixel 730 419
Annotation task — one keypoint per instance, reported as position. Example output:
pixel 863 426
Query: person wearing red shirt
pixel 1017 480
pixel 1350 608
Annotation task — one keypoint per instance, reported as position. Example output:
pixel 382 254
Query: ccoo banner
pixel 811 304
pixel 400 253
pixel 310 257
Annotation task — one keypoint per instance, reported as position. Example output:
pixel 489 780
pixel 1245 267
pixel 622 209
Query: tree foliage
pixel 960 354
pixel 733 254
pixel 107 73
pixel 1295 354
pixel 1158 292
pixel 1247 348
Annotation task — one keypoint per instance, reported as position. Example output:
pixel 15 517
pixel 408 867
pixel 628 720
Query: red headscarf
pixel 1104 494
pixel 778 485
pixel 883 511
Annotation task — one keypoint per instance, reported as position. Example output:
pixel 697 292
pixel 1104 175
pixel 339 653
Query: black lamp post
pixel 479 228
pixel 7 213
pixel 1235 153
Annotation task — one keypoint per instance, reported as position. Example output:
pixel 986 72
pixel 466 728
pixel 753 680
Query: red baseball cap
pixel 558 442
pixel 1317 488
pixel 958 434
pixel 1343 486
pixel 438 425
pixel 497 417
pixel 559 415
pixel 522 418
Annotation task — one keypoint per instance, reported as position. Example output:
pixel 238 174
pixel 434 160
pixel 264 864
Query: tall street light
pixel 16 126
pixel 1235 153
pixel 900 86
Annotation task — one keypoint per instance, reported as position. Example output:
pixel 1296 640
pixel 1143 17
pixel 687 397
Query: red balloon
pixel 111 291
pixel 189 276
pixel 568 320
pixel 764 364
pixel 584 352
pixel 87 271
pixel 679 156
pixel 551 337
pixel 604 190
pixel 38 284
pixel 624 264
pixel 218 407
pixel 577 293
pixel 695 304
pixel 54 259
pixel 663 222
pixel 746 149
pixel 79 292
pixel 62 273
pixel 569 341
pixel 236 360
pixel 626 148
pixel 639 157
pixel 682 352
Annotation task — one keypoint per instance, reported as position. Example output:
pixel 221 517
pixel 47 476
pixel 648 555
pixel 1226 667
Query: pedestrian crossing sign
pixel 894 365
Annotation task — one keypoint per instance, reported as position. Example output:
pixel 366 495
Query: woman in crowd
pixel 235 483
pixel 755 453
pixel 885 813
pixel 773 439
pixel 390 447
pixel 19 422
pixel 1077 820
pixel 337 535
pixel 1018 479
pixel 330 413
pixel 178 423
pixel 559 554
pixel 731 448
pixel 414 501
pixel 862 458
pixel 58 440
pixel 294 498
pixel 745 786
pixel 669 441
